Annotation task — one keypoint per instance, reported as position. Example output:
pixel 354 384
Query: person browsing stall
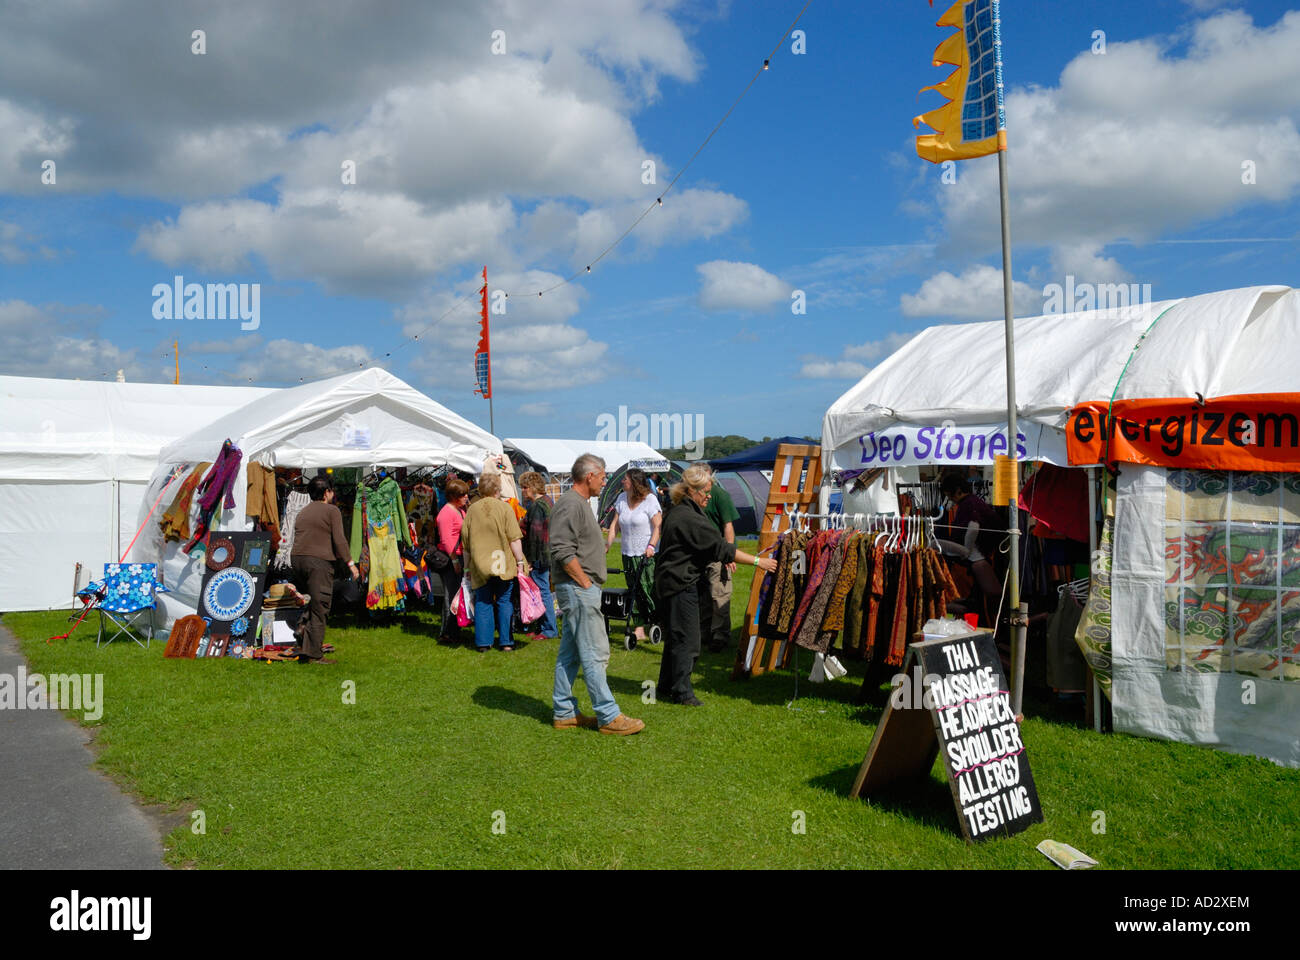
pixel 491 540
pixel 637 519
pixel 690 543
pixel 318 543
pixel 450 520
pixel 537 547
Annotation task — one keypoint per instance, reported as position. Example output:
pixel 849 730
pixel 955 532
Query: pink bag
pixel 531 608
pixel 462 605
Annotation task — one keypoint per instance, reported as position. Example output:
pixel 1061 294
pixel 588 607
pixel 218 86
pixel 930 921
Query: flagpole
pixel 1018 617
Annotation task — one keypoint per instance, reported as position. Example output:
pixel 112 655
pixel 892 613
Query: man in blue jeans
pixel 578 570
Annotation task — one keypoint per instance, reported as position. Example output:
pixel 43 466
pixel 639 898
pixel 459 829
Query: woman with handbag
pixel 491 540
pixel 450 520
pixel 537 548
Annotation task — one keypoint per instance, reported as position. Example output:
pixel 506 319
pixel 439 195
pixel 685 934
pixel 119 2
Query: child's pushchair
pixel 636 600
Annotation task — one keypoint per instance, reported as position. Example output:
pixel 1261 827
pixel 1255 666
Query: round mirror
pixel 220 554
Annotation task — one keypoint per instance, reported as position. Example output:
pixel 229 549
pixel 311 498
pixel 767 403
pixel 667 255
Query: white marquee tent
pixel 75 456
pixel 558 456
pixel 365 418
pixel 1167 679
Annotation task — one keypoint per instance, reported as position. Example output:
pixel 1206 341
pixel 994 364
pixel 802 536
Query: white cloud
pixel 732 285
pixel 1141 142
pixel 976 294
pixel 535 346
pixel 542 409
pixel 857 359
pixel 461 156
pixel 57 340
pixel 18 246
pixel 819 368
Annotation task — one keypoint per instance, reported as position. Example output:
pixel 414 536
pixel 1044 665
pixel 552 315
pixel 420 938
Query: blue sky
pixel 224 167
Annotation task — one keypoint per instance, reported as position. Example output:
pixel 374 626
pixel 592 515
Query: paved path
pixel 55 811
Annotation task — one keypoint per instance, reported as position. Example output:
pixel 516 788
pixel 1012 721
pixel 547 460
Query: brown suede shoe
pixel 577 720
pixel 623 726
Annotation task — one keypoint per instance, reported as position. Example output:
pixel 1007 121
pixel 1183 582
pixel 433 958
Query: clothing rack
pixel 925 496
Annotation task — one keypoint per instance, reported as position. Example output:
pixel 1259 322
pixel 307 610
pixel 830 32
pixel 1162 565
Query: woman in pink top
pixel 450 519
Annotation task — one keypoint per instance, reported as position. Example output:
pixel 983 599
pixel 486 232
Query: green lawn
pixel 440 739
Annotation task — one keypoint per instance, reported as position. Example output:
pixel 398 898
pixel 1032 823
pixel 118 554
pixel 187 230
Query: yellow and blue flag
pixel 973 123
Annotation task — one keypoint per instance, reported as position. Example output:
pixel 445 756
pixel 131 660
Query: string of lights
pixel 655 204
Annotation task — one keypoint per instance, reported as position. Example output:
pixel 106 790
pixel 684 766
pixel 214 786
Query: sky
pixel 357 163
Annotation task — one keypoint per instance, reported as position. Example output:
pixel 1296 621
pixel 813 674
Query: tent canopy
pixel 68 430
pixel 1216 345
pixel 353 420
pixel 75 456
pixel 558 456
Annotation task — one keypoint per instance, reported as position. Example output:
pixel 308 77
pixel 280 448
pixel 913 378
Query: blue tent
pixel 760 457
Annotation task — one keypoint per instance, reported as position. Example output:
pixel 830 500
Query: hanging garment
pixel 881 600
pixel 176 520
pixel 1066 669
pixel 855 603
pixel 386 581
pixel 218 483
pixel 818 559
pixel 260 503
pixel 845 579
pixel 810 632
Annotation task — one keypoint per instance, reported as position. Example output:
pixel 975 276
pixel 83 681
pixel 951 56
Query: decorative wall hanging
pixel 239 627
pixel 217 646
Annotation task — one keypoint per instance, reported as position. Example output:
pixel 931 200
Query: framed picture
pixel 256 555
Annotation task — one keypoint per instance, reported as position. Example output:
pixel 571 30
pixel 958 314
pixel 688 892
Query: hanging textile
pixel 176 519
pixel 260 503
pixel 293 507
pixel 386 581
pixel 382 505
pixel 218 484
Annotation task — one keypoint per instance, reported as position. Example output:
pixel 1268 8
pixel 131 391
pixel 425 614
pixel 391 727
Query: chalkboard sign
pixel 957 685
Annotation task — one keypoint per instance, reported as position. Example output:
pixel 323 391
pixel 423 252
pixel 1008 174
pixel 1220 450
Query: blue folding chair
pixel 126 598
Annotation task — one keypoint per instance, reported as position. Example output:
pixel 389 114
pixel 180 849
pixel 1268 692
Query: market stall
pixel 1193 609
pixel 369 423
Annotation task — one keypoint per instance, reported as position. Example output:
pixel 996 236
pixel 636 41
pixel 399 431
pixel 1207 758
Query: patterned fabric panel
pixel 1232 573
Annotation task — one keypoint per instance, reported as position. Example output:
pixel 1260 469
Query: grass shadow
pixel 512 701
pixel 924 800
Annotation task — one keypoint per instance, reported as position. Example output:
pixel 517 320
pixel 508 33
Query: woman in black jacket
pixel 690 542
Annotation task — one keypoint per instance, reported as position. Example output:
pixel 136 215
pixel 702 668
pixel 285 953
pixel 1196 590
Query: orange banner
pixel 1246 432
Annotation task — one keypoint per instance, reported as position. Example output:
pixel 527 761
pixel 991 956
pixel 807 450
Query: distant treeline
pixel 715 447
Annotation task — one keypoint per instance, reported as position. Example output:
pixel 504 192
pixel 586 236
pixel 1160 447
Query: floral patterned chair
pixel 126 598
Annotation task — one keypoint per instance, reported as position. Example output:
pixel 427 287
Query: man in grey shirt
pixel 578 570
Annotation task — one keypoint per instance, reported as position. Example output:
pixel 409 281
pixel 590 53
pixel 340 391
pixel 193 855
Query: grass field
pixel 443 744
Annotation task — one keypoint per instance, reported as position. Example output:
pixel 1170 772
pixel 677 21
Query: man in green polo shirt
pixel 715 608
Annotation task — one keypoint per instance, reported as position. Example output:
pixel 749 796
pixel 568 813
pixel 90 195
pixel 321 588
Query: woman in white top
pixel 637 516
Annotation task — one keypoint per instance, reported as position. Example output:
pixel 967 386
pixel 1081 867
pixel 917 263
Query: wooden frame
pixel 796 483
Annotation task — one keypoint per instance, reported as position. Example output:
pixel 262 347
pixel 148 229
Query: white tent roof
pixel 352 420
pixel 94 430
pixel 1217 345
pixel 558 456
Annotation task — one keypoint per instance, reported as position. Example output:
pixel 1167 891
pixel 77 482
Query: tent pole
pixel 1092 558
pixel 1019 612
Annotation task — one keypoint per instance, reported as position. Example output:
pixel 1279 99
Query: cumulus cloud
pixel 857 359
pixel 732 285
pixel 459 155
pixel 57 340
pixel 1141 142
pixel 976 294
pixel 535 346
pixel 542 409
